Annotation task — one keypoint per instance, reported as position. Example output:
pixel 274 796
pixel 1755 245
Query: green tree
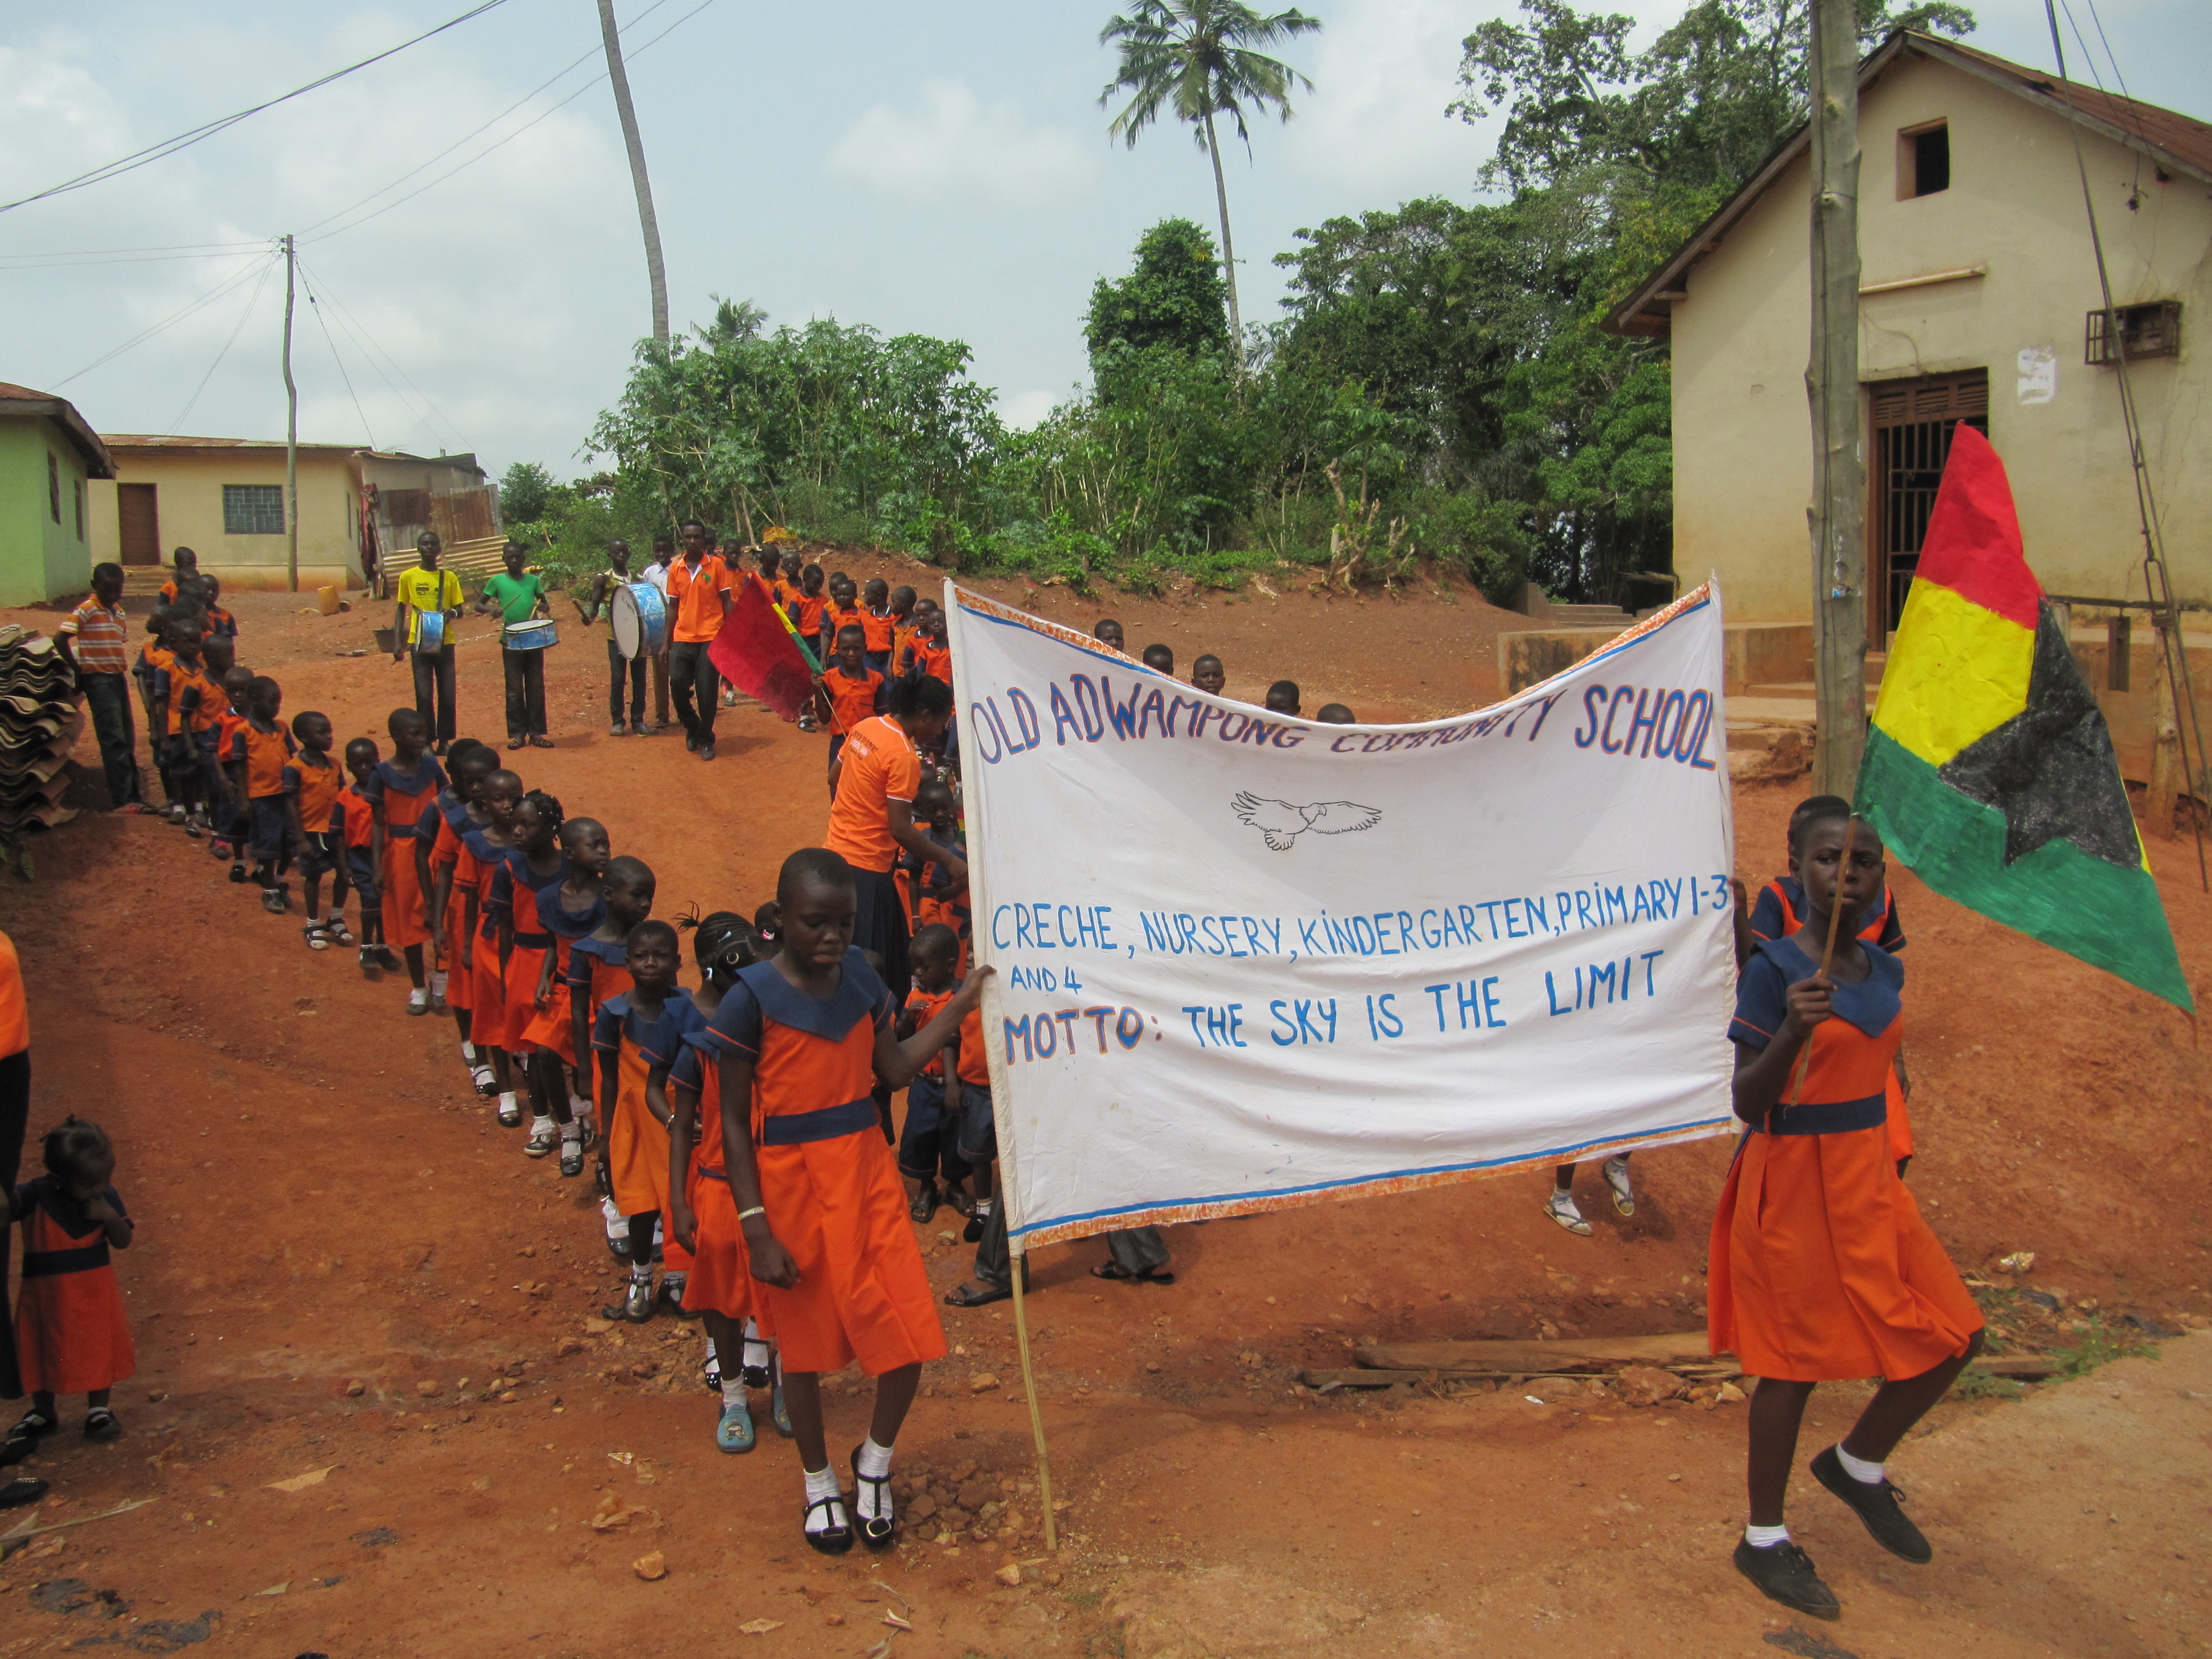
pixel 1201 58
pixel 524 491
pixel 1173 299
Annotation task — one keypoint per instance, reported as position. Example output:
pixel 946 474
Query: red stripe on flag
pixel 1972 545
pixel 756 652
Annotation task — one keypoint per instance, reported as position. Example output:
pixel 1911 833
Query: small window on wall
pixel 1923 161
pixel 77 487
pixel 2148 330
pixel 254 509
pixel 54 486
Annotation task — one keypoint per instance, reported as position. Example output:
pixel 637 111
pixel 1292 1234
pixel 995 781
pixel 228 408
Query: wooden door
pixel 139 520
pixel 1913 423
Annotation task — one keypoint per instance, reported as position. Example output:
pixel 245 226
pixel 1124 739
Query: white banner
pixel 1246 961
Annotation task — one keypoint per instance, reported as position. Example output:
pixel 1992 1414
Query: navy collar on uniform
pixel 561 921
pixel 1872 1004
pixel 854 1001
pixel 614 953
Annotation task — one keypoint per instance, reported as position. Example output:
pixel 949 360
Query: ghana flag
pixel 1990 771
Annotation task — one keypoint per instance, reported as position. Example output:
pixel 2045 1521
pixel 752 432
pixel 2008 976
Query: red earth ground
pixel 339 1250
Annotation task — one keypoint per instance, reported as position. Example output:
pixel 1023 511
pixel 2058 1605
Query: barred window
pixel 254 509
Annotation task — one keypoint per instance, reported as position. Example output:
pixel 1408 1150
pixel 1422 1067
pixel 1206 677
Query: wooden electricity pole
pixel 656 274
pixel 1831 384
pixel 291 435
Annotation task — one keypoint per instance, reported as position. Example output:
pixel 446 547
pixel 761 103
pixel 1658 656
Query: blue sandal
pixel 776 1413
pixel 734 1433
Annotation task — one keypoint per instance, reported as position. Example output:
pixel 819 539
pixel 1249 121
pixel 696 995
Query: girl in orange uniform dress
pixel 397 792
pixel 70 1335
pixel 805 1037
pixel 1822 1267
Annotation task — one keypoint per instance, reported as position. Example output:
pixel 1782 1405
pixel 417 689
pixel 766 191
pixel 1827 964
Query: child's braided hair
pixel 547 806
pixel 723 942
pixel 71 1143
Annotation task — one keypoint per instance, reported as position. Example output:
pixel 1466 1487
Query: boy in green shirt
pixel 518 596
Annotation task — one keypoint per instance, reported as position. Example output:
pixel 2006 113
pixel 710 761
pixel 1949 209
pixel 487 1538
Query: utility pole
pixel 291 433
pixel 655 273
pixel 1838 510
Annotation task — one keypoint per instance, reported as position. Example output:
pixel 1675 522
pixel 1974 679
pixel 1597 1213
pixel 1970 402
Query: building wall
pixel 41 559
pixel 1742 431
pixel 190 484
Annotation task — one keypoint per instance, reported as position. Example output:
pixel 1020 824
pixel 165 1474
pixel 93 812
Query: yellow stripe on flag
pixel 1958 672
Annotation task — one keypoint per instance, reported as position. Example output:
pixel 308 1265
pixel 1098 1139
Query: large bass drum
pixel 429 632
pixel 641 620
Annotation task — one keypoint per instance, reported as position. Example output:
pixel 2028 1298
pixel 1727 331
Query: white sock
pixel 572 1131
pixel 417 997
pixel 437 981
pixel 578 1107
pixel 617 1223
pixel 1765 1538
pixel 507 1101
pixel 734 1396
pixel 641 1272
pixel 983 1209
pixel 820 1484
pixel 873 1502
pixel 1859 1469
pixel 541 1121
pixel 468 1053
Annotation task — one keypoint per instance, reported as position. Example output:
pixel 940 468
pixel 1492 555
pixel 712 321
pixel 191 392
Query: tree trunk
pixel 1838 511
pixel 1228 248
pixel 656 273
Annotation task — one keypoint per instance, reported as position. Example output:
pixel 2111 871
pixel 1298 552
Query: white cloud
pixel 1023 409
pixel 1383 71
pixel 953 144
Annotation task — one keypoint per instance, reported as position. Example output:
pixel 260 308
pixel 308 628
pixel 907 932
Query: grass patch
pixel 1082 1600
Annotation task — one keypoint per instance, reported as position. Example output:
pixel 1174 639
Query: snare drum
pixel 532 635
pixel 641 620
pixel 429 632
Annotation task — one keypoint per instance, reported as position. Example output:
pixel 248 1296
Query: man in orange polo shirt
pixel 698 599
pixel 872 783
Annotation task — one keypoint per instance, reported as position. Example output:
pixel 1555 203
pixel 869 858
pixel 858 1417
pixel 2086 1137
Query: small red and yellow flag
pixel 1990 771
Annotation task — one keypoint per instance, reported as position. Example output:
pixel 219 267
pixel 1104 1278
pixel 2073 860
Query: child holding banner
pixel 804 1038
pixel 1822 1267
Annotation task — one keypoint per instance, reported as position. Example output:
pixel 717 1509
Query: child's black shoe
pixel 99 1423
pixel 33 1425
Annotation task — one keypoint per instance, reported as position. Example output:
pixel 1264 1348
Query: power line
pixel 567 68
pixel 339 359
pixel 184 140
pixel 402 201
pixel 65 259
pixel 370 349
pixel 253 300
pixel 174 317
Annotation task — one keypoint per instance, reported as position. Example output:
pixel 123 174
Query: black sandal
pixel 870 1535
pixel 99 1423
pixel 923 1205
pixel 24 1489
pixel 960 1297
pixel 1110 1268
pixel 33 1425
pixel 830 1541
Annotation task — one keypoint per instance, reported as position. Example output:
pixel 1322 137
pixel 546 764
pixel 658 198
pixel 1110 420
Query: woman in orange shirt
pixel 1821 1268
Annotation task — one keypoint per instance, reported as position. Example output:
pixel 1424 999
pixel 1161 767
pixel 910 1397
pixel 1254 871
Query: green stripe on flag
pixel 2108 916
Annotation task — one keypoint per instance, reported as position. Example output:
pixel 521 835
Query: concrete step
pixel 1588 616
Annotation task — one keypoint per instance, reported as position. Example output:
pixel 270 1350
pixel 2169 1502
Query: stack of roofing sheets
pixel 40 716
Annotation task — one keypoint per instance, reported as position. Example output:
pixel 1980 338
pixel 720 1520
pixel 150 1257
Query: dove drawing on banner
pixel 1280 824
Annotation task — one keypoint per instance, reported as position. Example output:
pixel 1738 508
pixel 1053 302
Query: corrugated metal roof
pixel 164 440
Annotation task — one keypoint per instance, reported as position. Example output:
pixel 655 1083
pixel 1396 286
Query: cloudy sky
pixel 935 169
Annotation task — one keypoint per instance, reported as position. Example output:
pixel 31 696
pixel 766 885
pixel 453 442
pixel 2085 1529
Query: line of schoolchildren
pixel 743 1129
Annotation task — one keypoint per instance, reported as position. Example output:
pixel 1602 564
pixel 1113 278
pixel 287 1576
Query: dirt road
pixel 344 1265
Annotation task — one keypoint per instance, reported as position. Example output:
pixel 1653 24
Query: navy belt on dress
pixel 533 941
pixel 47 1264
pixel 1828 1117
pixel 798 1129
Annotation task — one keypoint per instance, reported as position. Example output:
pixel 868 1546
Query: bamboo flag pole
pixel 1828 956
pixel 972 786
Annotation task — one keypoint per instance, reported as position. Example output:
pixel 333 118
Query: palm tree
pixel 656 273
pixel 1200 57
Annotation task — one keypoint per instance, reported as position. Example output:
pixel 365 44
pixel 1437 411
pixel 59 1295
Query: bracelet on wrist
pixel 758 1209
